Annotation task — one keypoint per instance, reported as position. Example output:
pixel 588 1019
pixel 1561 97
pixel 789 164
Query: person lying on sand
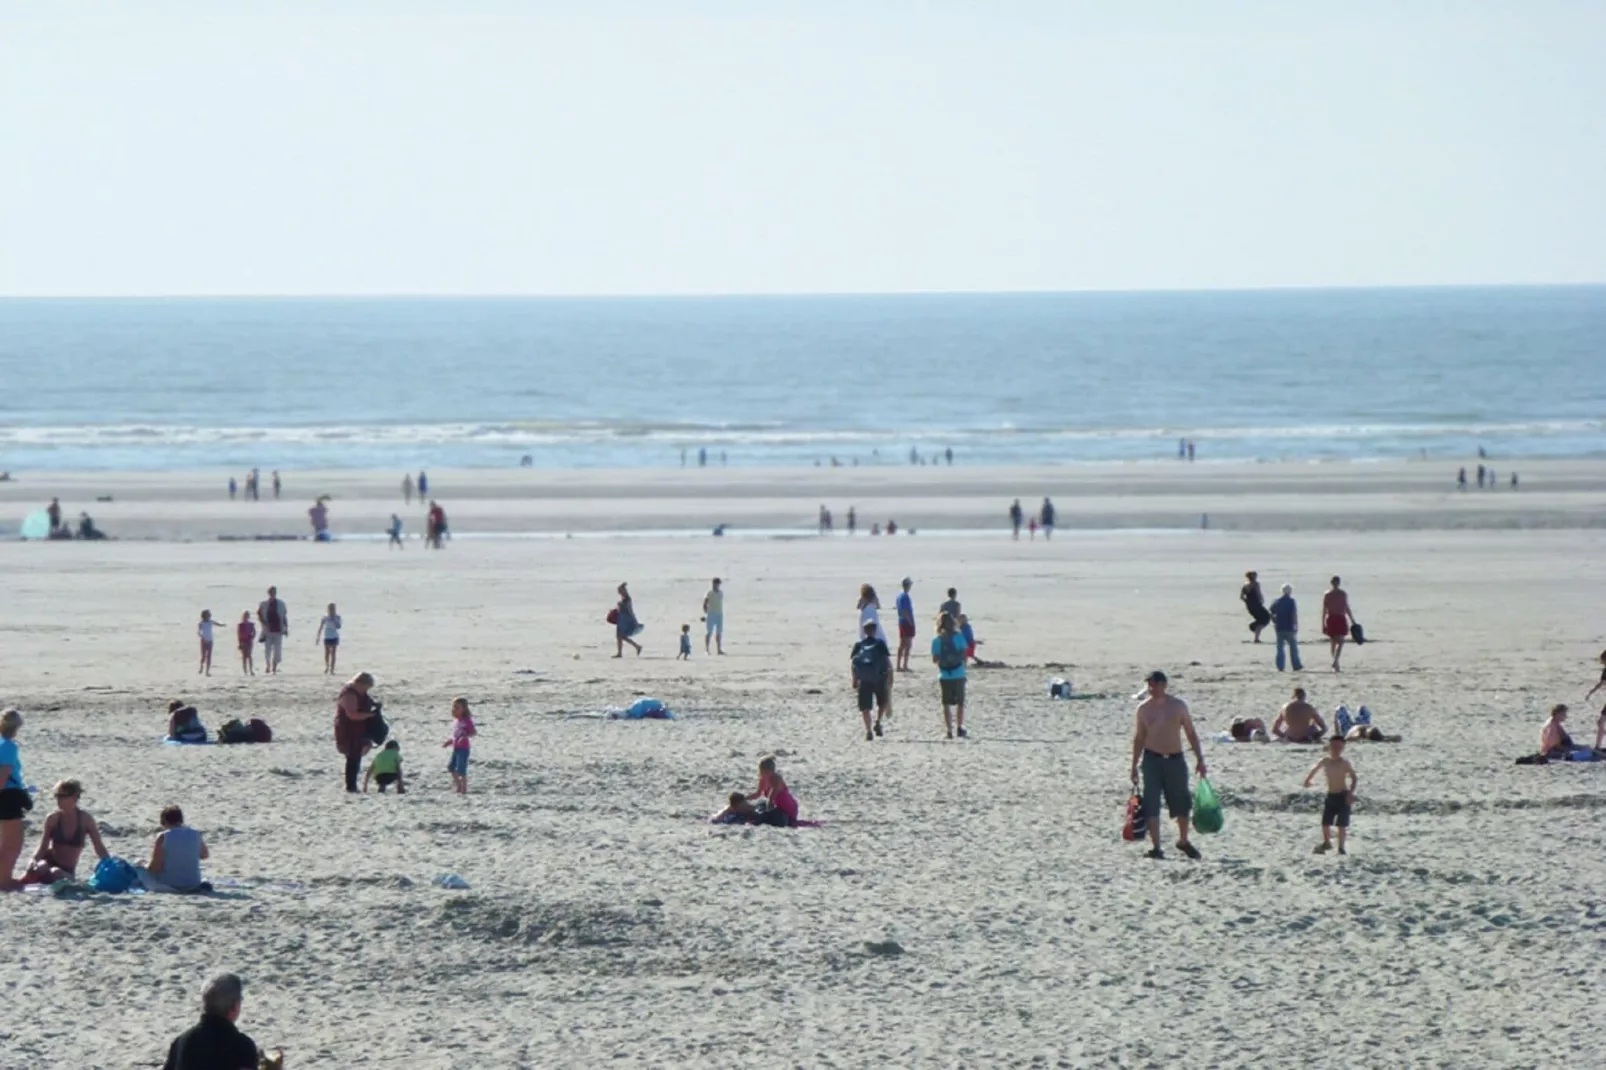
pixel 63 839
pixel 1247 729
pixel 1365 733
pixel 738 811
pixel 1298 721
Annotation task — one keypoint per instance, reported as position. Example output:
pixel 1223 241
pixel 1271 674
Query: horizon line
pixel 730 294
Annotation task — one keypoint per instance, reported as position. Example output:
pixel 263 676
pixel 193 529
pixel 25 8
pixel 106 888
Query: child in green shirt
pixel 387 769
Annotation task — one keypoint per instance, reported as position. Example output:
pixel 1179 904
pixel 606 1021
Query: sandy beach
pixel 962 904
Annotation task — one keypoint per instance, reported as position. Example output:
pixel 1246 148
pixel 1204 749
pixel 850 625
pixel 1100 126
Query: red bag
pixel 1137 825
pixel 613 616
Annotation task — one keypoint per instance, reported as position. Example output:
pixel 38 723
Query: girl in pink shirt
pixel 462 731
pixel 782 809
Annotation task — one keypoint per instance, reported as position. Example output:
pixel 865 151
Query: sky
pixel 679 147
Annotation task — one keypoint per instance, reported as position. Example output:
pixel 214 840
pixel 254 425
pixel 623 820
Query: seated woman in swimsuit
pixel 1554 742
pixel 184 723
pixel 782 805
pixel 65 835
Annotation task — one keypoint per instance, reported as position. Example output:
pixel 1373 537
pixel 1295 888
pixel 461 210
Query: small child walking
pixel 204 630
pixel 387 769
pixel 462 731
pixel 246 633
pixel 329 633
pixel 1341 781
pixel 685 643
pixel 395 533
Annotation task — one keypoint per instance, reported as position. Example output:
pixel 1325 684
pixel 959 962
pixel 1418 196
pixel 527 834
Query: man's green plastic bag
pixel 1207 816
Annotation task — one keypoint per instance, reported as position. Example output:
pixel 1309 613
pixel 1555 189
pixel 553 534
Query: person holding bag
pixel 354 709
pixel 1162 720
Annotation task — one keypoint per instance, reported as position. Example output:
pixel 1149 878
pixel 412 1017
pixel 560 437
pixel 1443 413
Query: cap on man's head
pixel 222 994
pixel 1155 677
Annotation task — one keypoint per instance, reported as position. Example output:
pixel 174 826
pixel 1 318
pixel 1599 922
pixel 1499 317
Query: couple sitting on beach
pixel 176 855
pixel 1299 722
pixel 1555 745
pixel 772 803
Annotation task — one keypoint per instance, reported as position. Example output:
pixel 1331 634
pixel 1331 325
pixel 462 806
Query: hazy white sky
pixel 670 146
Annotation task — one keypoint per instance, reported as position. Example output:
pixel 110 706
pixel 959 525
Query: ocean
pixel 770 381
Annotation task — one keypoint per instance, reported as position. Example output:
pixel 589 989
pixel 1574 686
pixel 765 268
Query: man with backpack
pixel 948 651
pixel 872 677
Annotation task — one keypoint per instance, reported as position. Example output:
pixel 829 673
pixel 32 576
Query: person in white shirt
pixel 714 617
pixel 204 630
pixel 329 635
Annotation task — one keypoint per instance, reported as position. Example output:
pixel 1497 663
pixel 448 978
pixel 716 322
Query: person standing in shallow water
pixel 1161 722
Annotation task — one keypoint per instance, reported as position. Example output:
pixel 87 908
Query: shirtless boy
pixel 1341 781
pixel 1298 721
pixel 1162 720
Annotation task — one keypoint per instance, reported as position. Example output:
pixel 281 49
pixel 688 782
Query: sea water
pixel 798 381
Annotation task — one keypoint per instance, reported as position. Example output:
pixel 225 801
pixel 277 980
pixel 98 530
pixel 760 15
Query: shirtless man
pixel 1336 619
pixel 1298 721
pixel 1162 720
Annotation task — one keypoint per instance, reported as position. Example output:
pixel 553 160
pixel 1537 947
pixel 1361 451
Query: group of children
pixel 245 634
pixel 386 766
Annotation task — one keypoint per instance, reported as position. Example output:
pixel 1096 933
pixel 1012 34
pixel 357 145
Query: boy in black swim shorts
pixel 1341 781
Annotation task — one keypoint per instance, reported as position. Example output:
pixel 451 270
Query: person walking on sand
pixel 329 635
pixel 948 654
pixel 1336 619
pixel 713 618
pixel 277 484
pixel 1045 516
pixel 275 619
pixel 354 708
pixel 1600 723
pixel 395 533
pixel 625 624
pixel 1341 781
pixel 872 676
pixel 407 489
pixel 906 625
pixel 1285 622
pixel 870 613
pixel 1161 722
pixel 1255 602
pixel 1017 516
pixel 204 631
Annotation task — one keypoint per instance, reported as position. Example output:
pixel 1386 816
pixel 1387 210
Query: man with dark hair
pixel 215 1043
pixel 872 678
pixel 1162 721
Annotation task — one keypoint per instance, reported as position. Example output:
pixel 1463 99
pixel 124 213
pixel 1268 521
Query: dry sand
pixel 964 904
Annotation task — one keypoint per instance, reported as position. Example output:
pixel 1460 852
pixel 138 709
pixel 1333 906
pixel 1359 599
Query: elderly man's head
pixel 222 995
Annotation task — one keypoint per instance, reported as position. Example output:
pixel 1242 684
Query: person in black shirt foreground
pixel 214 1043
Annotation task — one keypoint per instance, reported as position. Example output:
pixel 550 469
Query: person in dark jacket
pixel 1285 619
pixel 215 1043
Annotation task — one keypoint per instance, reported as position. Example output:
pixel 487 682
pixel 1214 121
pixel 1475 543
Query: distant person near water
pixel 395 533
pixel 906 625
pixel 1336 619
pixel 714 618
pixel 423 484
pixel 1161 723
pixel 407 489
pixel 1045 516
pixel 277 484
pixel 853 520
pixel 274 616
pixel 625 625
pixel 1285 622
pixel 1017 516
pixel 1254 601
pixel 435 530
pixel 53 512
pixel 318 515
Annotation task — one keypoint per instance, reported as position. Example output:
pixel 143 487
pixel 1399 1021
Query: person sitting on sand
pixel 387 769
pixel 738 811
pixel 63 838
pixel 184 723
pixel 176 857
pixel 1554 742
pixel 781 805
pixel 1298 721
pixel 1247 729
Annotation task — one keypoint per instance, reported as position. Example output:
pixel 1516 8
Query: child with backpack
pixel 463 731
pixel 246 633
pixel 948 651
pixel 1341 781
pixel 872 676
pixel 387 769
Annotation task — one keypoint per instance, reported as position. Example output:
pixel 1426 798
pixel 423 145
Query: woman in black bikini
pixel 65 835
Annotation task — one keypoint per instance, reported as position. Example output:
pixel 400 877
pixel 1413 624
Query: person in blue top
pixel 1285 619
pixel 14 800
pixel 906 625
pixel 948 651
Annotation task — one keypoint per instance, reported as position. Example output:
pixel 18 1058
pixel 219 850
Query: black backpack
pixel 951 652
pixel 377 730
pixel 870 658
